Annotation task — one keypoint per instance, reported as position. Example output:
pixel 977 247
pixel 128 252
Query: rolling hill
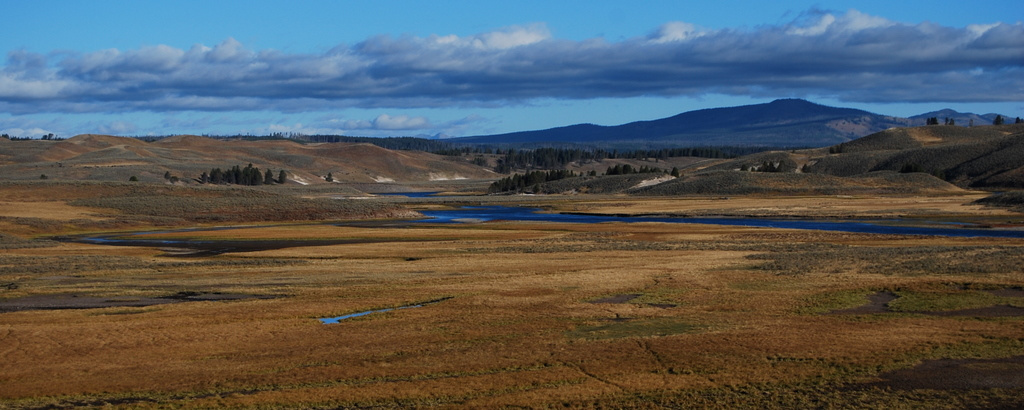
pixel 970 157
pixel 108 158
pixel 917 160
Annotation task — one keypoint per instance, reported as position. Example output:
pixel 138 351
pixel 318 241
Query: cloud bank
pixel 849 57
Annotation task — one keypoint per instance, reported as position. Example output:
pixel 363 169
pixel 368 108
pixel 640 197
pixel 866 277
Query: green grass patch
pixel 655 327
pixel 826 302
pixel 124 311
pixel 948 301
pixel 660 296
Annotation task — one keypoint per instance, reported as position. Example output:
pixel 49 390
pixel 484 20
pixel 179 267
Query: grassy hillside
pixel 68 206
pixel 930 159
pixel 107 158
pixel 974 157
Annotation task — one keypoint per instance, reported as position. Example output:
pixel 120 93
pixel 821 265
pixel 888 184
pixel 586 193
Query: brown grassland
pixel 722 316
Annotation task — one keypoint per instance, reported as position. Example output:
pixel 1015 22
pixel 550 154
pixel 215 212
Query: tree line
pixel 626 169
pixel 522 182
pixel 548 158
pixel 519 182
pixel 999 120
pixel 243 176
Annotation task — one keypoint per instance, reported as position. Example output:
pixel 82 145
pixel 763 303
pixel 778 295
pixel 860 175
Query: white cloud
pixel 25 132
pixel 118 128
pixel 399 122
pixel 824 22
pixel 851 56
pixel 229 50
pixel 676 31
pixel 512 37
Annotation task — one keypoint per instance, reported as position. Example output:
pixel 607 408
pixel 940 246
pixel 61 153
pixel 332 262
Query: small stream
pixel 338 319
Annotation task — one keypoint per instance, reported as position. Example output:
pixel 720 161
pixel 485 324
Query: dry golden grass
pixel 715 323
pixel 830 206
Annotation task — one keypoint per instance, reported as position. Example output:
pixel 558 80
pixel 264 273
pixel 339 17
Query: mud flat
pixel 75 301
pixel 958 374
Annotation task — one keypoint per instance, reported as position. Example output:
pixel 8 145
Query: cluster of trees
pixel 395 143
pixel 242 176
pixel 518 183
pixel 626 169
pixel 521 182
pixel 547 158
pixel 767 166
pixel 1000 120
pixel 48 137
pixel 935 121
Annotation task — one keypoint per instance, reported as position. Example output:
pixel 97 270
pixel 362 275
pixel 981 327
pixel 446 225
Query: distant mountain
pixel 959 118
pixel 780 123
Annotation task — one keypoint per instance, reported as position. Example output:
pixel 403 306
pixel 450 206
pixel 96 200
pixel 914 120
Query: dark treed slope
pixel 975 157
pixel 928 159
pixel 781 123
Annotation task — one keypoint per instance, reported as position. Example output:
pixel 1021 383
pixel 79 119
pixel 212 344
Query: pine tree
pixel 281 177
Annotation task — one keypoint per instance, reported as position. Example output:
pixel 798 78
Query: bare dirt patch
pixel 617 298
pixel 1008 292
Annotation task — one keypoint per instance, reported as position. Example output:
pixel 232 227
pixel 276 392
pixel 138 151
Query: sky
pixel 460 68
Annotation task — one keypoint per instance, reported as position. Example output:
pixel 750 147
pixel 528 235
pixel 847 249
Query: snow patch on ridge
pixel 442 177
pixel 654 181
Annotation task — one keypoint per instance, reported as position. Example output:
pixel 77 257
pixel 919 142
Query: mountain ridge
pixel 780 123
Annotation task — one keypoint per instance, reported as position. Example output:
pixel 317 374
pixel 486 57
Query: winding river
pixel 891 226
pixel 506 213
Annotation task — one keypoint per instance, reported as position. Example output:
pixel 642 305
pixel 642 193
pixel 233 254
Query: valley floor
pixel 523 314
